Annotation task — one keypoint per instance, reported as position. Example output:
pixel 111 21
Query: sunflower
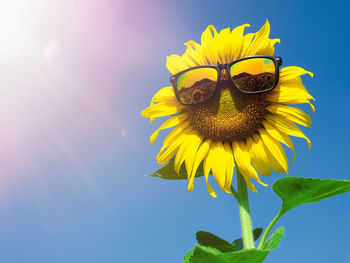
pixel 232 129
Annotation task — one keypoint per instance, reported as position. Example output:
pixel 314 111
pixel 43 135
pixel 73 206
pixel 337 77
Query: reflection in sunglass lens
pixel 196 85
pixel 254 74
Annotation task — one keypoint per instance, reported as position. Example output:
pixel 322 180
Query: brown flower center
pixel 229 115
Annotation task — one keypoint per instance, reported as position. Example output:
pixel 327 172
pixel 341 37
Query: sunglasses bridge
pixel 224 75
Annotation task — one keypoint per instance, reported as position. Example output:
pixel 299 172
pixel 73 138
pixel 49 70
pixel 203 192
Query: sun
pixel 231 128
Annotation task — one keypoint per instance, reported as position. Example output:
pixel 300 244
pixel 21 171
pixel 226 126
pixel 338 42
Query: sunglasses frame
pixel 276 59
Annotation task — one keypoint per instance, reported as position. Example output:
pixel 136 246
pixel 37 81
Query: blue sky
pixel 74 148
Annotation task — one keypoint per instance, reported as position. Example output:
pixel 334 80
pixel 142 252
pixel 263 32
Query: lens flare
pixel 52 50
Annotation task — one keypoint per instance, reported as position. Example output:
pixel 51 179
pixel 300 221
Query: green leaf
pixel 296 191
pixel 274 239
pixel 238 243
pixel 204 255
pixel 188 256
pixel 210 240
pixel 257 233
pixel 167 172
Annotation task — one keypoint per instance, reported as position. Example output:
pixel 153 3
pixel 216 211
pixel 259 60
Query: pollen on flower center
pixel 229 115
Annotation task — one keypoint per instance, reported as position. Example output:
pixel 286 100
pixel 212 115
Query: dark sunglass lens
pixel 196 85
pixel 254 74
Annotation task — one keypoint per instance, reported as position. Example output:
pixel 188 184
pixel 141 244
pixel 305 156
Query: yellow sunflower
pixel 232 129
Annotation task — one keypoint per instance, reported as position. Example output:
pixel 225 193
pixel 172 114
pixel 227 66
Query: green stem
pixel 268 229
pixel 234 193
pixel 244 212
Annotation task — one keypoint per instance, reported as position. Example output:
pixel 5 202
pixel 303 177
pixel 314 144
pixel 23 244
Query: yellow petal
pixel 209 47
pixel 275 149
pixel 230 165
pixel 279 136
pixel 173 121
pixel 213 162
pixel 175 64
pixel 187 152
pixel 165 95
pixel 258 155
pixel 242 159
pixel 237 41
pixel 266 155
pixel 292 72
pixel 207 167
pixel 291 85
pixel 174 134
pixel 225 45
pixel 193 57
pixel 191 152
pixel 160 110
pixel 192 44
pixel 290 113
pixel 312 107
pixel 290 92
pixel 194 52
pixel 209 188
pixel 201 154
pixel 164 157
pixel 247 40
pixel 259 40
pixel 287 127
pixel 261 44
pixel 269 49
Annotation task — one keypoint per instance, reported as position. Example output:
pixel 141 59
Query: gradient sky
pixel 74 149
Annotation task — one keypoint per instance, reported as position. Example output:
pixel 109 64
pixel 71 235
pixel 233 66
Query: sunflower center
pixel 229 115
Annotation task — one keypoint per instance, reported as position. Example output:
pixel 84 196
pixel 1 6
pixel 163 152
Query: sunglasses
pixel 256 74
